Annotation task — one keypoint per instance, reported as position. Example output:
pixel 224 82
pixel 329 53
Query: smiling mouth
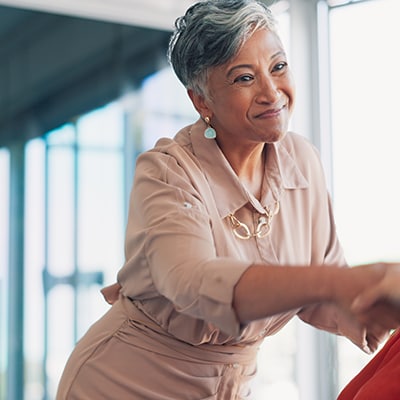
pixel 273 112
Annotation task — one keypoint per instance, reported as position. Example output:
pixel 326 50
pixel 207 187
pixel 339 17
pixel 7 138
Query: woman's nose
pixel 268 90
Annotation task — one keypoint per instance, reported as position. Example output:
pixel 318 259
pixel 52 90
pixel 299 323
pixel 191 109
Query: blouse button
pixel 263 333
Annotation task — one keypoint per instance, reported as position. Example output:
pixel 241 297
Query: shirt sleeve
pixel 171 249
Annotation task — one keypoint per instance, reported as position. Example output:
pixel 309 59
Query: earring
pixel 209 132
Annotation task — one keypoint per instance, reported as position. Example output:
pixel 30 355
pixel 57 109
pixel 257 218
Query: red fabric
pixel 380 378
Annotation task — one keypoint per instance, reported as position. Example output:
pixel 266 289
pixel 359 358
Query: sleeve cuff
pixel 216 294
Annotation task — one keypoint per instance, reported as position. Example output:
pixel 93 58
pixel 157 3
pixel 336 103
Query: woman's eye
pixel 243 78
pixel 280 66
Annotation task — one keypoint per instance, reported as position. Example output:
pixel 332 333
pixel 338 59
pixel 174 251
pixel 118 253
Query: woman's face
pixel 250 98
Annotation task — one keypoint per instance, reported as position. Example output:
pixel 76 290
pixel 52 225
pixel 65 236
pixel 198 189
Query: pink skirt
pixel 125 356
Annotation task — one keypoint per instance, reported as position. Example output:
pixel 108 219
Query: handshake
pixel 387 289
pixel 372 296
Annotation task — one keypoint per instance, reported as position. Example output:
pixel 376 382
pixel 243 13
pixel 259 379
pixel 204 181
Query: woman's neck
pixel 249 167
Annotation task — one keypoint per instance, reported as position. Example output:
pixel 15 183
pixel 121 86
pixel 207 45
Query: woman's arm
pixel 263 291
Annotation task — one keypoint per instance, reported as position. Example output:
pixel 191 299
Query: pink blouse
pixel 182 257
pixel 173 332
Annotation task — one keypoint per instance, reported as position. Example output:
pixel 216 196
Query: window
pixel 365 84
pixel 75 216
pixel 4 225
pixel 164 115
pixel 76 200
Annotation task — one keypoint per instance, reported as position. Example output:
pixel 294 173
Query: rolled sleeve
pixel 172 251
pixel 216 304
pixel 185 269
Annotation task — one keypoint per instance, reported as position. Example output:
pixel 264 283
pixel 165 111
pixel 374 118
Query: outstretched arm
pixel 263 291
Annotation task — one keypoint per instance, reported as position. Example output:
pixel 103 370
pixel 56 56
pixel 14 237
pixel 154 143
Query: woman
pixel 230 231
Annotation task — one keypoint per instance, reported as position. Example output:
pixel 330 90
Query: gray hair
pixel 211 33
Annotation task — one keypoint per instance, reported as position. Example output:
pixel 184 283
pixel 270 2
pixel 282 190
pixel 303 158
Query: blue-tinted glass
pixel 85 229
pixel 60 333
pixel 60 210
pixel 163 93
pixel 100 210
pixel 101 227
pixel 103 127
pixel 166 107
pixel 34 262
pixel 64 135
pixel 4 225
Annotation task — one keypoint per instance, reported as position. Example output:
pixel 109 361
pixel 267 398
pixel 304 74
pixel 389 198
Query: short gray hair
pixel 211 33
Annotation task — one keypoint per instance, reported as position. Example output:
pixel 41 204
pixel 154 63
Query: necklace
pixel 263 228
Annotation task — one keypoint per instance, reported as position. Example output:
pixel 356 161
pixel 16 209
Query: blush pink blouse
pixel 182 258
pixel 173 333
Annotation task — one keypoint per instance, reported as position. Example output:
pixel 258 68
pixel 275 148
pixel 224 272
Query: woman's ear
pixel 200 103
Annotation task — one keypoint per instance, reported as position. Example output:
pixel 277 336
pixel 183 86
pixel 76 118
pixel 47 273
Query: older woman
pixel 230 230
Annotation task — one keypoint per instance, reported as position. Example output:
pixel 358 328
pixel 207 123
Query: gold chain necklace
pixel 263 228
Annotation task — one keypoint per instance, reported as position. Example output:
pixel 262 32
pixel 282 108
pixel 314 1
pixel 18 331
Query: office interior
pixel 85 87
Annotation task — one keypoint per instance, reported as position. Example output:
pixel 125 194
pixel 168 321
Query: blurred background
pixel 85 87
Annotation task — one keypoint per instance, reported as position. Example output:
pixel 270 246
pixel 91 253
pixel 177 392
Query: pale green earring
pixel 209 132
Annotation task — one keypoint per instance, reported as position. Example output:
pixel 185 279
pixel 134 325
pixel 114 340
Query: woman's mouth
pixel 271 112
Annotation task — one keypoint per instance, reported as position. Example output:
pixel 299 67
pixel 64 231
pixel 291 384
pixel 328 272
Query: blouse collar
pixel 282 173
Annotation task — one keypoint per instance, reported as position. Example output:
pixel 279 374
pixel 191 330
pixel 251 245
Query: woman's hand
pixel 386 289
pixel 378 306
pixel 376 316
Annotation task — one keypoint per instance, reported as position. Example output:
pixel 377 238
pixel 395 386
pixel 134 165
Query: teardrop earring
pixel 209 132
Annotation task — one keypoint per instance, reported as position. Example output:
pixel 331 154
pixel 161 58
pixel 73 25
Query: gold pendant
pixel 263 228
